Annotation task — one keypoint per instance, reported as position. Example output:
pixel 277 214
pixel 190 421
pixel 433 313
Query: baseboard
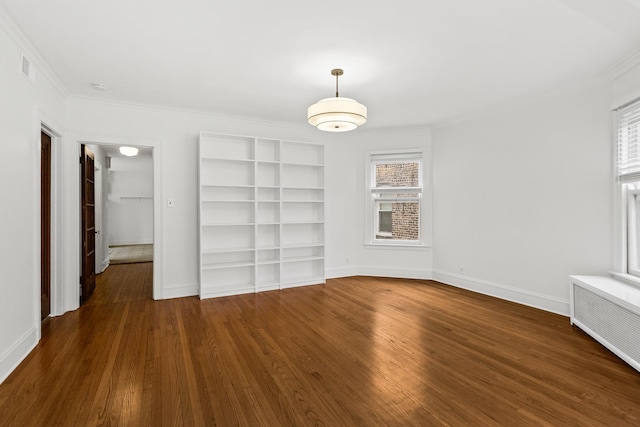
pixel 404 273
pixel 335 273
pixel 11 358
pixel 179 292
pixel 509 293
pixel 218 294
pixel 129 243
pixel 104 264
pixel 401 273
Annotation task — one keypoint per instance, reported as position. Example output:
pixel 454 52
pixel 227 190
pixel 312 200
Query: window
pixel 628 171
pixel 396 197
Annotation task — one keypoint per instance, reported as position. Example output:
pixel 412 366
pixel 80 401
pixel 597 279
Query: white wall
pixel 366 259
pixel 626 87
pixel 23 105
pixel 175 135
pixel 130 204
pixel 342 153
pixel 523 198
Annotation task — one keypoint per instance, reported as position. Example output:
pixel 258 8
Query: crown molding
pixel 31 52
pixel 304 127
pixel 623 65
pixel 186 111
pixel 394 130
pixel 521 101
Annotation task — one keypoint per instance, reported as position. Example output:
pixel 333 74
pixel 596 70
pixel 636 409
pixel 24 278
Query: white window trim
pixel 370 216
pixel 418 247
pixel 631 231
pixel 620 210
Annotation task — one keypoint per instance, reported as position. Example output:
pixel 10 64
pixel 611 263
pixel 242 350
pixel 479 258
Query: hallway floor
pixel 129 254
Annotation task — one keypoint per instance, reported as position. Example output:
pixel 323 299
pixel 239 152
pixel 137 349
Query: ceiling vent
pixel 27 69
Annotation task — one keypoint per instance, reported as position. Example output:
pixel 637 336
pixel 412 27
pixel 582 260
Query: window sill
pixel 404 246
pixel 627 278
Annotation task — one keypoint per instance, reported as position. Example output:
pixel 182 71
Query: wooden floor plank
pixel 356 351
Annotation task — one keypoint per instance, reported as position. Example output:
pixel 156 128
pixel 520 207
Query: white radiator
pixel 609 311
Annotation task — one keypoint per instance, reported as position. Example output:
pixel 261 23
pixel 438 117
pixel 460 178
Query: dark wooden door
pixel 88 262
pixel 45 225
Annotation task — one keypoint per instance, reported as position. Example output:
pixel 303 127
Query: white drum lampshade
pixel 337 114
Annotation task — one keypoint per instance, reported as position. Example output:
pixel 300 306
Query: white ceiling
pixel 412 62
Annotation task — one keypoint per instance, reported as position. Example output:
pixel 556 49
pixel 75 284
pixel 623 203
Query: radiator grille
pixel 615 324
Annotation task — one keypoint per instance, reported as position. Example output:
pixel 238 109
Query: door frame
pixel 99 267
pixel 43 123
pixel 87 209
pixel 46 174
pixel 155 145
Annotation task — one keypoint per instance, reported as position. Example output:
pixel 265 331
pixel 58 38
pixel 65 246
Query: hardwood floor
pixel 356 351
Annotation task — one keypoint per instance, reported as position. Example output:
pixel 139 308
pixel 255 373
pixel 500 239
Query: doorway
pixel 45 225
pixel 88 218
pixel 124 208
pixel 130 208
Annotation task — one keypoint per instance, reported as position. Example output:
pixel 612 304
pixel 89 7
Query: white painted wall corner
pixel 179 292
pixel 11 357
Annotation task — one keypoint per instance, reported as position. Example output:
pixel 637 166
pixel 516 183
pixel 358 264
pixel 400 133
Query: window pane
pixel 633 230
pixel 402 223
pixel 398 174
pixel 629 142
pixel 385 224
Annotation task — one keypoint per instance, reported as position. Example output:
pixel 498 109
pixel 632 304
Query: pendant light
pixel 337 114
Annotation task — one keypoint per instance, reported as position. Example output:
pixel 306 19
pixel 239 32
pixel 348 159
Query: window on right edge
pixel 628 175
pixel 396 197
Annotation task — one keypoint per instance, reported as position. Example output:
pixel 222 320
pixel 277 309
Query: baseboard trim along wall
pixel 180 292
pixel 379 272
pixel 399 273
pixel 509 293
pixel 505 292
pixel 335 273
pixel 11 357
pixel 104 264
pixel 129 242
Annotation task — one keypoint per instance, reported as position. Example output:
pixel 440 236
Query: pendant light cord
pixel 337 72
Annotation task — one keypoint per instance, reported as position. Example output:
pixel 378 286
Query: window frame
pixel 631 232
pixel 624 209
pixel 407 155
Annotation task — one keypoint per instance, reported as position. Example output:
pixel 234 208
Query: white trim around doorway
pixel 72 211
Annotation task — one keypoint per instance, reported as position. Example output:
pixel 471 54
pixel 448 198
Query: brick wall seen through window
pixel 405 216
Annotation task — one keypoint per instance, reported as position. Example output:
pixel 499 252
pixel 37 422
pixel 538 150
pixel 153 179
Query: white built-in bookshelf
pixel 261 215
